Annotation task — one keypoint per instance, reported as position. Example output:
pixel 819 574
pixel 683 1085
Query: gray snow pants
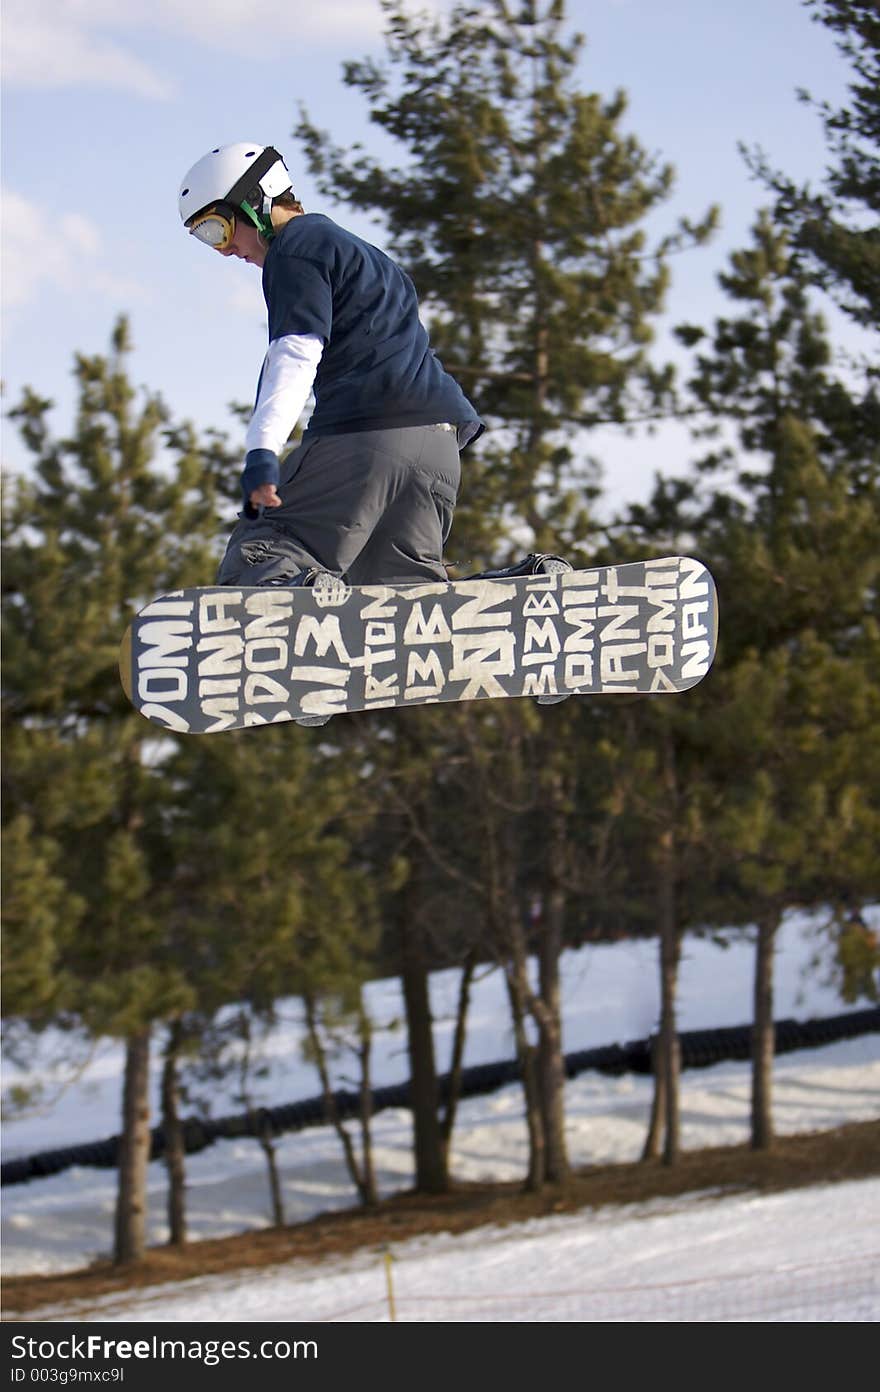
pixel 373 506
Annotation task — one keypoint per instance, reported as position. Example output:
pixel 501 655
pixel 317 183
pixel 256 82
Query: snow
pixel 807 1254
pixel 610 994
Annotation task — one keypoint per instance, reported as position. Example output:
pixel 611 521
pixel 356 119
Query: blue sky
pixel 108 102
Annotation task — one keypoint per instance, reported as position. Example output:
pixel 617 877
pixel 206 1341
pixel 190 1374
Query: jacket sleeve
pixel 285 382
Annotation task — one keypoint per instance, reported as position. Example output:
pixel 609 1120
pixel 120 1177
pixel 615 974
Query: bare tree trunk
pixel 763 1035
pixel 366 1113
pixel 258 1120
pixel 172 1127
pixel 551 1061
pixel 432 1176
pixel 651 1149
pixel 670 955
pixel 261 1128
pixel 518 992
pixel 330 1107
pixel 134 1151
pixel 670 1052
pixel 456 1064
pixel 551 1066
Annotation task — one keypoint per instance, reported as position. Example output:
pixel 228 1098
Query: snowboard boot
pixel 536 563
pixel 330 591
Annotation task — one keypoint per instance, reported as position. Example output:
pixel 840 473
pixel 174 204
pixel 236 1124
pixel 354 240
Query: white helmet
pixel 235 174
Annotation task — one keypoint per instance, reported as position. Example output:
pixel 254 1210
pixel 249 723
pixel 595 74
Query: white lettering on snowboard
pixel 161 679
pixel 228 658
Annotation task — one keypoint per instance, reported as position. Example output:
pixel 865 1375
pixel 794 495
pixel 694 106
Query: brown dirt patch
pixel 849 1152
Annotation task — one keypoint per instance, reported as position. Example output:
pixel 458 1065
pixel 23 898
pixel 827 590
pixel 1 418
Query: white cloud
pixel 69 257
pixel 231 23
pixel 58 43
pixel 46 43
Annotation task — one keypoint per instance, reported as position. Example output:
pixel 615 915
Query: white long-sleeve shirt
pixel 287 377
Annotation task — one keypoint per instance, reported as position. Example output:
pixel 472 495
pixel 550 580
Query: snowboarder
pixel 369 493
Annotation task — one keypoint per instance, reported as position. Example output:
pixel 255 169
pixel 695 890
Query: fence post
pixel 389 1285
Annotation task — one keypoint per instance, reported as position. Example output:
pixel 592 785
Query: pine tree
pixel 835 230
pixel 654 847
pixel 793 536
pixel 519 216
pixel 419 863
pixel 40 915
pixel 100 526
pixel 270 896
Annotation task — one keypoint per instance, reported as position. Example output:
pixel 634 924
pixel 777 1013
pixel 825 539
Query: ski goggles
pixel 214 226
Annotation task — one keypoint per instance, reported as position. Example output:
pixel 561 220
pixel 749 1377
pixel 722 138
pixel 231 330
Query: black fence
pixel 699 1049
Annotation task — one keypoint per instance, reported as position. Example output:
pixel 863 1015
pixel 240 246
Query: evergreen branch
pixel 447 867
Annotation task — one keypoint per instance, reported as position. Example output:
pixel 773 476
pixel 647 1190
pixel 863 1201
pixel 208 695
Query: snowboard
pixel 220 658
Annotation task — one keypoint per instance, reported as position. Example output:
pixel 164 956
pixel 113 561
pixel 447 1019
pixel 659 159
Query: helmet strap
pixel 250 181
pixel 261 221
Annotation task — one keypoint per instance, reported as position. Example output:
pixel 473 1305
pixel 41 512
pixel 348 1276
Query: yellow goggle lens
pixel 213 228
